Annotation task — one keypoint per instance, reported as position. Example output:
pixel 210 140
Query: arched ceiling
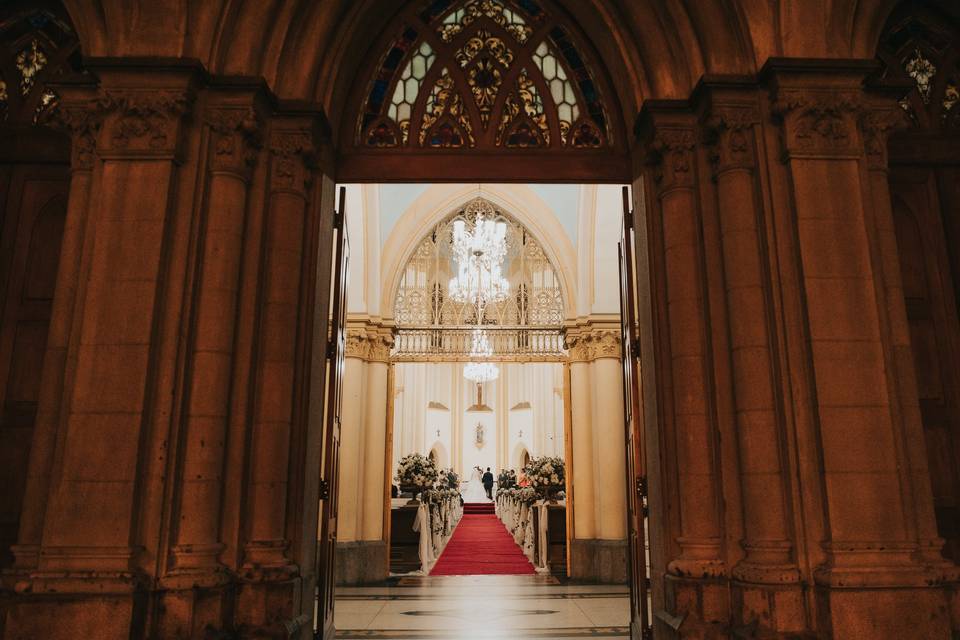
pixel 311 50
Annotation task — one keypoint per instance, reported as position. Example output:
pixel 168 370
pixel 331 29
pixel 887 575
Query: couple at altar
pixel 480 486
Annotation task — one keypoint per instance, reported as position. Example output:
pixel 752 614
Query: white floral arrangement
pixel 415 470
pixel 509 492
pixel 546 473
pixel 528 495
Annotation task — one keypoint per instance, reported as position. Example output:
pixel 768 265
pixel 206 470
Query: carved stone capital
pixel 819 123
pixel 593 343
pixel 368 342
pixel 727 131
pixel 876 125
pixel 82 120
pixel 670 154
pixel 293 158
pixel 143 122
pixel 237 138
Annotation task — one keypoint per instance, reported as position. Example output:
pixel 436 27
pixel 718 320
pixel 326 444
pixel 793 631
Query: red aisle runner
pixel 481 545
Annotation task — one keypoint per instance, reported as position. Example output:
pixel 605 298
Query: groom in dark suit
pixel 488 483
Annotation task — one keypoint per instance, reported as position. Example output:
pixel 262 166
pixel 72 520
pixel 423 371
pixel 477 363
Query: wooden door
pixel 330 472
pixel 637 529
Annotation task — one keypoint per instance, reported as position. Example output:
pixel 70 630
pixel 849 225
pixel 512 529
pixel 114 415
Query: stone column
pixel 670 143
pixel 115 296
pixel 874 582
pixel 268 567
pixel 598 547
pixel 362 555
pixel 731 121
pixel 375 426
pixel 234 129
pixel 80 117
pixel 581 433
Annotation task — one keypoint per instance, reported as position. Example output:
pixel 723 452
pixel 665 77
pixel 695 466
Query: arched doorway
pixel 823 504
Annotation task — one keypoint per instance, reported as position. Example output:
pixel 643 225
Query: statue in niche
pixel 478 436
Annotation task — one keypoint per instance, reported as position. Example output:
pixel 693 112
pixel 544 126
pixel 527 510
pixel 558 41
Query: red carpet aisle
pixel 481 546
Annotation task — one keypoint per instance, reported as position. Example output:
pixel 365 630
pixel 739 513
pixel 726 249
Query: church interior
pixel 479 319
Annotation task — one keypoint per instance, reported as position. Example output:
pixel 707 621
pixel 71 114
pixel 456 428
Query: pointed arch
pixel 484 74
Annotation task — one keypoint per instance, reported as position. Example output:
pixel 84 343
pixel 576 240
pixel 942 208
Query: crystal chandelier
pixel 480 350
pixel 479 253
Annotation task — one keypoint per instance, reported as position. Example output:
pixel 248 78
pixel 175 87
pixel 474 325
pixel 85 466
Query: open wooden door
pixel 330 471
pixel 637 530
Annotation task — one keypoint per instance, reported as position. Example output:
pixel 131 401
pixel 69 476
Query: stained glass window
pixel 407 88
pixel 487 84
pixel 38 44
pixel 920 48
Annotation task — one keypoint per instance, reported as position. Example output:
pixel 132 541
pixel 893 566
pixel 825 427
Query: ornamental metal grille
pixel 528 324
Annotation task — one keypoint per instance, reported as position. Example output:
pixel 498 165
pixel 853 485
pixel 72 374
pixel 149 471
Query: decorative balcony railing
pixel 453 343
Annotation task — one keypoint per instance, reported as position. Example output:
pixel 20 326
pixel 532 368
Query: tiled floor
pixel 455 607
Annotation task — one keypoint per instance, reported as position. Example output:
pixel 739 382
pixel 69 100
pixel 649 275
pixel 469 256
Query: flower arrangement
pixel 546 474
pixel 415 471
pixel 506 479
pixel 509 492
pixel 528 495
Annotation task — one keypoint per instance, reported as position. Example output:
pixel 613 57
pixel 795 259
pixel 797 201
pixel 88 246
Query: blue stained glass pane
pixel 530 7
pixel 379 92
pixel 393 58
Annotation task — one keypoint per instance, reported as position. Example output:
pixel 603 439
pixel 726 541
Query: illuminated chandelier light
pixel 479 253
pixel 477 370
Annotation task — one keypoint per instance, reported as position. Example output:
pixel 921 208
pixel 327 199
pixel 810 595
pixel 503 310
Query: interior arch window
pixel 535 294
pixel 483 73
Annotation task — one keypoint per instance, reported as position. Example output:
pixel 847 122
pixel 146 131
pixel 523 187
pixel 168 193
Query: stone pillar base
pixel 694 608
pixel 361 562
pixel 769 610
pixel 883 613
pixel 604 561
pixel 64 617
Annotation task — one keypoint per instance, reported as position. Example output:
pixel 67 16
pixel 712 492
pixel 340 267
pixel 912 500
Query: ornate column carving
pixel 92 546
pixel 729 130
pixel 669 140
pixel 80 116
pixel 872 560
pixel 293 147
pixel 235 127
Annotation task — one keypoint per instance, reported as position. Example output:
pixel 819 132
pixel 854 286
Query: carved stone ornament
pixel 727 132
pixel 143 122
pixel 876 125
pixel 369 344
pixel 82 120
pixel 590 345
pixel 818 122
pixel 293 157
pixel 671 155
pixel 236 138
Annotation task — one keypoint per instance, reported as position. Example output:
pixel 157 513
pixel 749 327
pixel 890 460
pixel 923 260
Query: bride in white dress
pixel 474 491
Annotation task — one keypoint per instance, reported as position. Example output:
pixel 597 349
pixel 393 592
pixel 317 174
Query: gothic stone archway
pixel 788 491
